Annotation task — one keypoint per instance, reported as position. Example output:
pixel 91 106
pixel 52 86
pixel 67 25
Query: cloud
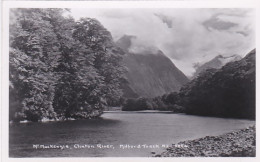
pixel 165 19
pixel 243 33
pixel 186 36
pixel 216 23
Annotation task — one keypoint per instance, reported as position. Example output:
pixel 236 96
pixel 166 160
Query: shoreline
pixel 140 111
pixel 239 143
pixel 46 120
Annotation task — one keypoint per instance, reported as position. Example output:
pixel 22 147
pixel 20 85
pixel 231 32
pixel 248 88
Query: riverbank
pixel 235 144
pixel 141 111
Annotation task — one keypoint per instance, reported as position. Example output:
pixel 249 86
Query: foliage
pixel 107 56
pixel 157 103
pixel 33 46
pixel 137 104
pixel 228 92
pixel 60 68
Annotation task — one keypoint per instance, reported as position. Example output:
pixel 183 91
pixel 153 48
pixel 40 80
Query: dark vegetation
pixel 162 103
pixel 60 68
pixel 227 92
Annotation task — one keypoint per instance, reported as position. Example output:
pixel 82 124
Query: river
pixel 116 134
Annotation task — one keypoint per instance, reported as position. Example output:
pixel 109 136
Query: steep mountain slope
pixel 216 63
pixel 227 92
pixel 149 73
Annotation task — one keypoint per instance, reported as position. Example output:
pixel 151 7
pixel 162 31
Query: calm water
pixel 148 132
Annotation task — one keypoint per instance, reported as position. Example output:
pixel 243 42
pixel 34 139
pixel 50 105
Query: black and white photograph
pixel 131 82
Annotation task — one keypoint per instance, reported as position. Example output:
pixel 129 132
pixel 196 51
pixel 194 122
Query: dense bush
pixel 157 103
pixel 60 68
pixel 137 104
pixel 227 92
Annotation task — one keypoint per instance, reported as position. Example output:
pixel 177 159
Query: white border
pixel 132 4
pixel 107 4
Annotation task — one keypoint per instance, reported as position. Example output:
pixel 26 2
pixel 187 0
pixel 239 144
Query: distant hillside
pixel 216 63
pixel 149 73
pixel 227 92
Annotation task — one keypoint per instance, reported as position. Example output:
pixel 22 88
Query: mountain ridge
pixel 216 63
pixel 225 92
pixel 149 73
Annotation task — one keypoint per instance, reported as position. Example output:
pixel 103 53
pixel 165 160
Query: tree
pixel 60 68
pixel 33 50
pixel 227 92
pixel 107 56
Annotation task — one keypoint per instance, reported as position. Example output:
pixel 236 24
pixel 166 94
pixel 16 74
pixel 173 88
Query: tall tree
pixel 33 51
pixel 60 68
pixel 107 56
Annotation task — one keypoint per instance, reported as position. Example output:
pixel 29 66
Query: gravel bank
pixel 235 144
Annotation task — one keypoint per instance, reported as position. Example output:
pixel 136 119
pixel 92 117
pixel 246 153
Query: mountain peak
pixel 216 63
pixel 134 45
pixel 151 75
pixel 125 42
pixel 150 72
pixel 218 57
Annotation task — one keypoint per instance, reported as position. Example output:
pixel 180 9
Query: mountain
pixel 149 73
pixel 225 92
pixel 216 63
pixel 125 42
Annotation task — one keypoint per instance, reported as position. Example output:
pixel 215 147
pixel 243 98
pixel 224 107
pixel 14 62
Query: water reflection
pixel 118 128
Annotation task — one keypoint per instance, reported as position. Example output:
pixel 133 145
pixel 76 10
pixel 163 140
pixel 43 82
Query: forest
pixel 60 68
pixel 227 92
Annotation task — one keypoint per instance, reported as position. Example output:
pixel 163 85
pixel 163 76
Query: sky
pixel 186 36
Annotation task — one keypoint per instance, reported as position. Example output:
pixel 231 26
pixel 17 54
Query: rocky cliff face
pixel 149 73
pixel 216 63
